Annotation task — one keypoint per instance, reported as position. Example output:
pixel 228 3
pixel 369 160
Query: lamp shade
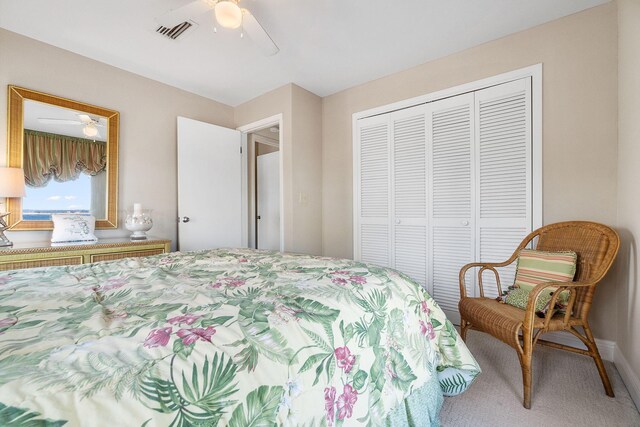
pixel 11 182
pixel 228 14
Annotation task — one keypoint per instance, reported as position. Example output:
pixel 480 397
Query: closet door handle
pixel 398 221
pixel 464 222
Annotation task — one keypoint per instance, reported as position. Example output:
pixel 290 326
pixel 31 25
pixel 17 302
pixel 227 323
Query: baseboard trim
pixel 629 377
pixel 605 347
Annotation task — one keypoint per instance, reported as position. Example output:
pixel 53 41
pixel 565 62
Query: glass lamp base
pixel 4 242
pixel 139 235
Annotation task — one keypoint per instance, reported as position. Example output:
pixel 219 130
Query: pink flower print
pixel 424 308
pixel 158 337
pixel 228 281
pixel 284 313
pixel 342 272
pixel 189 336
pixel 114 283
pixel 360 280
pixel 9 321
pixel 235 282
pixel 339 281
pixel 4 280
pixel 165 261
pixel 185 318
pixel 329 404
pixel 347 399
pixel 243 260
pixel 344 359
pixel 427 329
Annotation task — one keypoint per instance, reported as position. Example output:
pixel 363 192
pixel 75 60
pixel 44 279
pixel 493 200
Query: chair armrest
pixel 560 287
pixel 483 266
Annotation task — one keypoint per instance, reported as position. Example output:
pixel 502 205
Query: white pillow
pixel 73 228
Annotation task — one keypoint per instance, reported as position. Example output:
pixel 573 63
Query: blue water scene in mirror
pixel 57 197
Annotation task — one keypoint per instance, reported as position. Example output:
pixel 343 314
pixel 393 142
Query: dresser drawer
pixel 40 262
pixel 44 254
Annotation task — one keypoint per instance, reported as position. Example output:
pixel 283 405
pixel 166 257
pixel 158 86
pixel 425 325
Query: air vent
pixel 177 31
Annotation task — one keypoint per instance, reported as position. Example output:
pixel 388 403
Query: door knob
pixel 465 222
pixel 185 219
pixel 398 221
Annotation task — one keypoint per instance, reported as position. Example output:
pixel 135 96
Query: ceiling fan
pixel 228 15
pixel 90 124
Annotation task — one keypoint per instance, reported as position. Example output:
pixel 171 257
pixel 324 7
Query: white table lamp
pixel 11 185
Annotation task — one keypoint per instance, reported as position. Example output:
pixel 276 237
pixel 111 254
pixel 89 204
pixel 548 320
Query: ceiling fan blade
pixel 59 121
pixel 84 118
pixel 186 12
pixel 259 36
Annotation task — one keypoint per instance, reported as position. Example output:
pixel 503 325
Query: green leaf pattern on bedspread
pixel 220 337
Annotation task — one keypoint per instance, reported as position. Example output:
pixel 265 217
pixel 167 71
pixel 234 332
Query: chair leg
pixel 525 364
pixel 596 357
pixel 464 325
pixel 525 354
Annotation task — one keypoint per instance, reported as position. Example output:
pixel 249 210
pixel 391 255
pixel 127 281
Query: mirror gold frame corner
pixel 15 119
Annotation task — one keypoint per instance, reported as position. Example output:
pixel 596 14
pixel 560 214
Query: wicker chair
pixel 596 246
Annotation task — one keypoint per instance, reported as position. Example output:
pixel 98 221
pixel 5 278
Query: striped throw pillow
pixel 535 267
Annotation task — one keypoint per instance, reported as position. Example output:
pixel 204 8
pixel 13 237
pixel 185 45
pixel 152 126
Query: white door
pixel 409 189
pixel 504 175
pixel 452 215
pixel 268 206
pixel 478 177
pixel 209 186
pixel 372 233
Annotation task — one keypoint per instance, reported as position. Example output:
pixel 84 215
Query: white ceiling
pixel 325 45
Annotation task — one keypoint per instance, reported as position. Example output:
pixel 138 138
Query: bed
pixel 224 337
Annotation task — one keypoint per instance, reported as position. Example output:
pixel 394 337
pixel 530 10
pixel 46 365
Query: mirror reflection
pixel 68 151
pixel 64 161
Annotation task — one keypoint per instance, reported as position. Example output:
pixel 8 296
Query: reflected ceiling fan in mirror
pixel 228 14
pixel 90 129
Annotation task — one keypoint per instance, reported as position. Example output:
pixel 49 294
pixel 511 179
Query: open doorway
pixel 263 182
pixel 259 139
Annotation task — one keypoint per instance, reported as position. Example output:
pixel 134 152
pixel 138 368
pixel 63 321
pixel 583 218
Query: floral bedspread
pixel 223 337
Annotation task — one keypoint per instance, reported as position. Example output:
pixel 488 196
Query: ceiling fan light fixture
pixel 228 14
pixel 90 130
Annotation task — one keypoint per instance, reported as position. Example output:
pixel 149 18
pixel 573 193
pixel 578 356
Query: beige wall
pixel 628 179
pixel 579 56
pixel 307 171
pixel 148 111
pixel 302 156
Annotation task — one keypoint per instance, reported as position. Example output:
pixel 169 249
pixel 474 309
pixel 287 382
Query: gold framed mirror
pixel 69 152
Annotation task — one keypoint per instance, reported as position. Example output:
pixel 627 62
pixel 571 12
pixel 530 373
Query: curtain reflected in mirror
pixel 63 174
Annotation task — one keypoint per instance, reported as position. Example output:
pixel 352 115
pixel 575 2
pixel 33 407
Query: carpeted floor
pixel 566 391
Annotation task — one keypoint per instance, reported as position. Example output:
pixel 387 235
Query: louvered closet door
pixel 451 164
pixel 504 174
pixel 409 189
pixel 372 207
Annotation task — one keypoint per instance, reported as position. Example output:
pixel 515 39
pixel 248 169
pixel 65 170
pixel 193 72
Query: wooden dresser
pixel 45 254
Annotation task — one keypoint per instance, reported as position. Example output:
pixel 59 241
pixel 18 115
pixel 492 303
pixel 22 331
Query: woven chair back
pixel 596 246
